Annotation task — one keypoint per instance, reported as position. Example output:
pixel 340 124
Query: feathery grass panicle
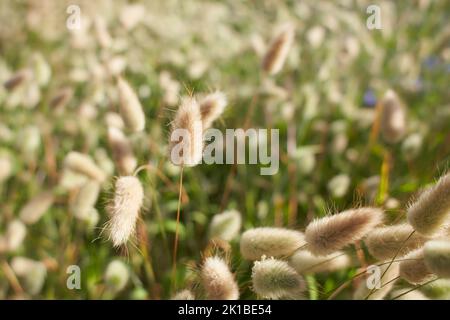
pixel 437 257
pixel 393 118
pixel 82 163
pixel 225 225
pixel 122 152
pixel 218 281
pixel 85 199
pixel 304 262
pixel 124 209
pixel 430 214
pixel 329 234
pixel 413 268
pixel 116 276
pixel 211 107
pixel 388 276
pixel 186 137
pixel 278 50
pixel 385 242
pixel 130 107
pixel 36 207
pixel 270 242
pixel 274 279
pixel 185 294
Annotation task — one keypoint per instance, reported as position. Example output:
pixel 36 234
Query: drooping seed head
pixel 185 294
pixel 86 199
pixel 377 285
pixel 270 242
pixel 124 209
pixel 304 262
pixel 393 118
pixel 218 281
pixel 278 50
pixel 437 257
pixel 122 152
pixel 116 275
pixel 36 207
pixel 385 242
pixel 211 107
pixel 130 108
pixel 430 214
pixel 82 163
pixel 274 279
pixel 225 225
pixel 413 268
pixel 332 233
pixel 186 137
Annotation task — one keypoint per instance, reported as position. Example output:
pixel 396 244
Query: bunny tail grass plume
pixel 374 288
pixel 116 276
pixel 437 257
pixel 15 234
pixel 36 207
pixel 225 225
pixel 430 214
pixel 408 294
pixel 332 233
pixel 122 152
pixel 270 242
pixel 218 281
pixel 86 199
pixel 130 108
pixel 274 279
pixel 124 209
pixel 33 273
pixel 82 163
pixel 186 137
pixel 211 107
pixel 278 50
pixel 393 118
pixel 384 243
pixel 413 268
pixel 183 295
pixel 304 262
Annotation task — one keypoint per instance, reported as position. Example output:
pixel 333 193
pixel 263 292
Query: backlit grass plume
pixel 270 242
pixel 437 257
pixel 393 118
pixel 85 199
pixel 82 163
pixel 225 225
pixel 116 276
pixel 122 152
pixel 274 279
pixel 218 281
pixel 278 50
pixel 124 209
pixel 386 242
pixel 332 233
pixel 430 213
pixel 211 107
pixel 185 294
pixel 304 261
pixel 36 207
pixel 130 107
pixel 413 268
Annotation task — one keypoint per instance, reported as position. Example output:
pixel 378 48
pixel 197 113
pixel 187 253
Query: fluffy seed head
pixel 430 214
pixel 116 275
pixel 225 225
pixel 218 281
pixel 186 138
pixel 437 257
pixel 122 151
pixel 6 167
pixel 82 163
pixel 124 209
pixel 32 272
pixel 130 108
pixel 15 234
pixel 183 295
pixel 278 50
pixel 36 207
pixel 211 107
pixel 385 283
pixel 393 118
pixel 332 233
pixel 86 199
pixel 384 243
pixel 413 268
pixel 270 242
pixel 274 279
pixel 304 261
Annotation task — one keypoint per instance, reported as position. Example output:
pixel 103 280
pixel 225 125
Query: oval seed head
pixel 211 107
pixel 274 279
pixel 183 295
pixel 116 275
pixel 385 242
pixel 332 233
pixel 225 225
pixel 32 272
pixel 186 137
pixel 376 288
pixel 393 118
pixel 304 261
pixel 36 207
pixel 270 242
pixel 86 199
pixel 82 163
pixel 124 209
pixel 15 234
pixel 122 152
pixel 413 268
pixel 437 257
pixel 218 281
pixel 6 167
pixel 278 50
pixel 430 214
pixel 130 108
